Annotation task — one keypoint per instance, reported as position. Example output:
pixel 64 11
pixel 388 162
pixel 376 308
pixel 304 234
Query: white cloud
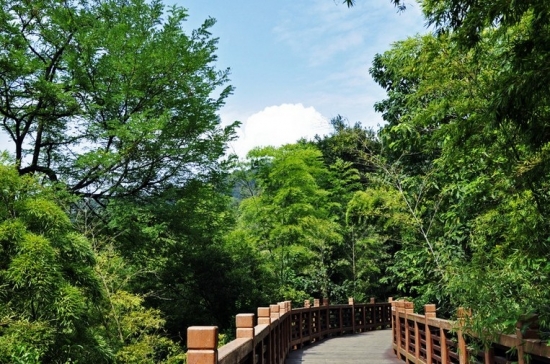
pixel 279 125
pixel 336 45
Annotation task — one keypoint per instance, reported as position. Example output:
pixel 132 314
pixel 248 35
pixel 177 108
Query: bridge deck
pixel 368 347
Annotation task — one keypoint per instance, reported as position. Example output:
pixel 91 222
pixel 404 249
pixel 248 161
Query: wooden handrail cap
pixel 202 337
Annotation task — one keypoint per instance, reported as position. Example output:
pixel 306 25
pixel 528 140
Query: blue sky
pixel 298 63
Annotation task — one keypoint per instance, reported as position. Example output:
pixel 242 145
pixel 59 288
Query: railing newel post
pixel 351 302
pixel 264 315
pixel 519 343
pixel 399 308
pixel 462 315
pixel 374 315
pixel 409 308
pixel 429 312
pixel 202 345
pixel 274 312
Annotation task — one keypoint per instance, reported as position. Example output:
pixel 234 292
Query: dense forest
pixel 124 220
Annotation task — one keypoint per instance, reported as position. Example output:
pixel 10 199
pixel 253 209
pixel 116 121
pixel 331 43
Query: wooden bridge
pixel 380 333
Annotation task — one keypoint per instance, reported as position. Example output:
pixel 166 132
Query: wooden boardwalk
pixel 372 347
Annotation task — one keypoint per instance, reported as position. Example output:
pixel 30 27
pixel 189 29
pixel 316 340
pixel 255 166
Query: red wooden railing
pixel 279 329
pixel 426 339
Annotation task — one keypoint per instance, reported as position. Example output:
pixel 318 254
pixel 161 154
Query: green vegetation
pixel 122 222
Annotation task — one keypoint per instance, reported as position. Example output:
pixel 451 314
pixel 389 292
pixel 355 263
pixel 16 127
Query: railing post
pixel 429 313
pixel 409 308
pixel 275 334
pixel 399 307
pixel 393 319
pixel 519 345
pixel 288 308
pixel 264 318
pixel 316 302
pixel 274 312
pixel 264 315
pixel 202 344
pixel 462 349
pixel 443 346
pixel 391 312
pixel 307 304
pixel 374 313
pixel 245 325
pixel 282 308
pixel 327 317
pixel 282 330
pixel 351 302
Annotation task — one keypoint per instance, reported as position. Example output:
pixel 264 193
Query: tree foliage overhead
pixel 111 97
pixel 476 167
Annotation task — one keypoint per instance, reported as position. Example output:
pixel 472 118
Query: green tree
pixel 483 173
pixel 47 283
pixel 178 257
pixel 110 97
pixel 290 221
pixel 60 299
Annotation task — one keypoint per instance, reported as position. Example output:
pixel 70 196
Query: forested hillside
pixel 124 220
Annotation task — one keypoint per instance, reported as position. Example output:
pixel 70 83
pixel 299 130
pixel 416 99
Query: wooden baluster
pixel 489 357
pixel 202 344
pixel 443 345
pixel 417 341
pixel 519 343
pixel 462 348
pixel 429 312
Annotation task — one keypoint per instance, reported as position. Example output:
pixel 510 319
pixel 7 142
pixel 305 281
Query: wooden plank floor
pixel 368 347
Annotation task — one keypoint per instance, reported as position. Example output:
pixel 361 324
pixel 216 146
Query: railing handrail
pixel 425 339
pixel 279 329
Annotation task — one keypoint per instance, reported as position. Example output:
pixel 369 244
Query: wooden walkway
pixel 372 347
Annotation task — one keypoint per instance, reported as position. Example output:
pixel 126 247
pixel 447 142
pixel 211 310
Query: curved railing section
pixel 277 329
pixel 426 339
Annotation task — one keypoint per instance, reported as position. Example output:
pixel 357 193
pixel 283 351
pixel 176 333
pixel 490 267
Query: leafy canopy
pixel 111 97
